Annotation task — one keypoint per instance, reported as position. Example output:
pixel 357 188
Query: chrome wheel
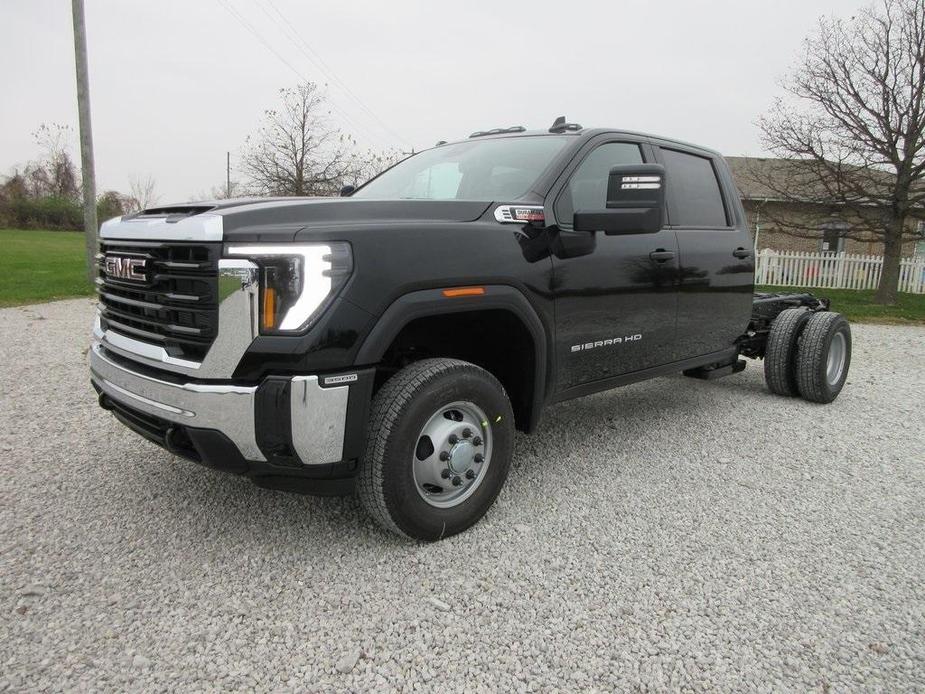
pixel 835 363
pixel 452 454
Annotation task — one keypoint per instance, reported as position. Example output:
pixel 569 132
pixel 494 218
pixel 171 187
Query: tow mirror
pixel 635 199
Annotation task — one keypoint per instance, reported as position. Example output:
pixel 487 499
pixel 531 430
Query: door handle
pixel 741 252
pixel 660 255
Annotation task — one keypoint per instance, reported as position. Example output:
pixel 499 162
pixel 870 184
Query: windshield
pixel 501 169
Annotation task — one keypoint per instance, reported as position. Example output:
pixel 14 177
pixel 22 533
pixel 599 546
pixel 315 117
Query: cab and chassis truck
pixel 389 342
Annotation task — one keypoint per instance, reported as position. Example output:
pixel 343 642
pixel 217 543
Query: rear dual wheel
pixel 808 354
pixel 781 351
pixel 823 357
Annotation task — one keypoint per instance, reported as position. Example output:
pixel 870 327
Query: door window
pixel 694 197
pixel 586 190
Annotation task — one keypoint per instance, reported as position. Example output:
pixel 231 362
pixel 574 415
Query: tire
pixel 411 420
pixel 823 357
pixel 781 351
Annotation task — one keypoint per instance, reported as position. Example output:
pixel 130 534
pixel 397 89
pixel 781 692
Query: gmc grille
pixel 176 306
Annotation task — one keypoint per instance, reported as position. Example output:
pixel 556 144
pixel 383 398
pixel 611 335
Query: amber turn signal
pixel 268 315
pixel 463 291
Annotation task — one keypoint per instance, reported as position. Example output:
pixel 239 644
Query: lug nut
pixel 453 438
pixel 479 458
pixel 444 456
pixel 477 441
pixel 445 474
pixel 457 481
pixel 470 474
pixel 467 433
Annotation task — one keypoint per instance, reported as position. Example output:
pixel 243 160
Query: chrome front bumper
pixel 318 414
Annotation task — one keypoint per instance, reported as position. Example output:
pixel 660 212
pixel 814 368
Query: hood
pixel 214 220
pixel 336 211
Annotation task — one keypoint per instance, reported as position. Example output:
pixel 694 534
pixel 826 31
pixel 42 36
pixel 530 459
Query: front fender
pixel 433 302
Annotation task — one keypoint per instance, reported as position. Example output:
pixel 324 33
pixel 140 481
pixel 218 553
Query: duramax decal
pixel 609 342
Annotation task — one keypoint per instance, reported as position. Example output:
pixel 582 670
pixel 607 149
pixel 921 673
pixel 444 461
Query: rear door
pixel 615 306
pixel 716 269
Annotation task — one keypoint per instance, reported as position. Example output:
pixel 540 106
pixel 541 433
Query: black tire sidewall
pixel 410 512
pixel 838 325
pixel 779 370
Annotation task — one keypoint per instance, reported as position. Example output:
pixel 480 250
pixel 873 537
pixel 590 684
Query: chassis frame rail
pixel 765 308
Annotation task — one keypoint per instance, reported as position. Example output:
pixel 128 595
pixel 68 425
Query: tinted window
pixel 694 197
pixel 587 188
pixel 501 169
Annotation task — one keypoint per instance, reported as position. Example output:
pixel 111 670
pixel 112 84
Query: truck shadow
pixel 210 508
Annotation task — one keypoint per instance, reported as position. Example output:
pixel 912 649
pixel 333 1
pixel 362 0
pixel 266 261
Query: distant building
pixel 814 226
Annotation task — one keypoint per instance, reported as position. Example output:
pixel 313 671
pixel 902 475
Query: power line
pixel 250 27
pixel 320 63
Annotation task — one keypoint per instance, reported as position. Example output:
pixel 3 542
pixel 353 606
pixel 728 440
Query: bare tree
pixel 220 192
pixel 855 123
pixel 226 191
pixel 142 192
pixel 296 151
pixel 55 174
pixel 364 166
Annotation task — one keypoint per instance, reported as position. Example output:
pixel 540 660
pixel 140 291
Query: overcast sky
pixel 177 83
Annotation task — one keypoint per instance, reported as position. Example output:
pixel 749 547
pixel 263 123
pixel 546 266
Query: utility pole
pixel 86 136
pixel 227 174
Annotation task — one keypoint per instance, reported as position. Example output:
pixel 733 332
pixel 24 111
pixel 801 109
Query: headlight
pixel 297 282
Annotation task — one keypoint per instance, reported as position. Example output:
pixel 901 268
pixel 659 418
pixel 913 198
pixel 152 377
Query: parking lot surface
pixel 675 534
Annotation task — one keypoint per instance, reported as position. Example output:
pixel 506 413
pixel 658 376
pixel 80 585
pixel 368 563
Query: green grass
pixel 38 266
pixel 859 306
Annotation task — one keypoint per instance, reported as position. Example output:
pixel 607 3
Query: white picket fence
pixel 834 270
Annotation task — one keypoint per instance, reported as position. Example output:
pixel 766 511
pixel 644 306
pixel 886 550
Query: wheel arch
pixel 418 306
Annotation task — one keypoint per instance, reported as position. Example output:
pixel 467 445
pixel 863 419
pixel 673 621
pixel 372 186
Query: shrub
pixel 110 204
pixel 57 213
pixel 47 212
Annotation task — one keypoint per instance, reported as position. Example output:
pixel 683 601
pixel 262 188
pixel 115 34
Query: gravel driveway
pixel 675 534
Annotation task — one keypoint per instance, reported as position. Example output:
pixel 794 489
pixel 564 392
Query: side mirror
pixel 635 199
pixel 346 191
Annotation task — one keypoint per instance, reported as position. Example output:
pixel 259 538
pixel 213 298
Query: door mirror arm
pixel 566 243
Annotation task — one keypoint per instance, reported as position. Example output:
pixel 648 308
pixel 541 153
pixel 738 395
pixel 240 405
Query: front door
pixel 615 306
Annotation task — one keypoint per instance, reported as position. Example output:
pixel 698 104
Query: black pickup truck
pixel 390 341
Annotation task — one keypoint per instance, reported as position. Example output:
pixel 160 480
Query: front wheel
pixel 438 449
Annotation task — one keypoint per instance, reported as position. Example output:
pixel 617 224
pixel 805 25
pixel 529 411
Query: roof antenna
pixel 560 126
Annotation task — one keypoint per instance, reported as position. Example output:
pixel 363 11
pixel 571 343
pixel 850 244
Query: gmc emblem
pixel 123 268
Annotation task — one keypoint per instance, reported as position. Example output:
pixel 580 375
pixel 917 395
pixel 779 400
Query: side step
pixel 708 373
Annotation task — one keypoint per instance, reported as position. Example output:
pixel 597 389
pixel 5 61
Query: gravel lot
pixel 675 534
